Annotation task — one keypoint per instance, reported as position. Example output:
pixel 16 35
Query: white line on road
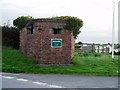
pixel 20 79
pixel 55 86
pixel 52 86
pixel 8 77
pixel 40 83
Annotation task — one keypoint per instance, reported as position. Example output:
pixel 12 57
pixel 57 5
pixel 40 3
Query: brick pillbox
pixel 47 41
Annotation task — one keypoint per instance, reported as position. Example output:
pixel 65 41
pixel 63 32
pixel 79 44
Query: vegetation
pixel 102 62
pixel 86 63
pixel 0 57
pixel 74 24
pixel 20 22
pixel 10 37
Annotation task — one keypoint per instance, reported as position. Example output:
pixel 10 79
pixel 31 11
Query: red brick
pixel 38 44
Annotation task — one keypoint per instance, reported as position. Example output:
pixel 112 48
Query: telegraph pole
pixel 113 29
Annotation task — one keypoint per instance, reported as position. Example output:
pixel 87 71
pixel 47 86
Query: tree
pixel 20 22
pixel 10 37
pixel 73 24
pixel 80 42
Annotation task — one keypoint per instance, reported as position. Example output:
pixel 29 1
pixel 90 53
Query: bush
pixel 10 37
pixel 116 53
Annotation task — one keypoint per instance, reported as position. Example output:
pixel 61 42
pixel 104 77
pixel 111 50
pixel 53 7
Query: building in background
pixel 98 48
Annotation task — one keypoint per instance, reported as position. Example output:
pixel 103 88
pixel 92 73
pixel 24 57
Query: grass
pixel 97 63
pixel 83 63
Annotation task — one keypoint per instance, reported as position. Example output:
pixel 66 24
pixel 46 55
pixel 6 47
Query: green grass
pixel 97 63
pixel 83 63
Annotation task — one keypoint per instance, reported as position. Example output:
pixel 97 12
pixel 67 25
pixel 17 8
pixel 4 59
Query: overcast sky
pixel 96 15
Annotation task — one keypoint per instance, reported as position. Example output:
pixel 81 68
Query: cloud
pixel 96 14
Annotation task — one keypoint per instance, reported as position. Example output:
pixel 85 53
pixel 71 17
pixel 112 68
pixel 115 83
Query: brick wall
pixel 38 44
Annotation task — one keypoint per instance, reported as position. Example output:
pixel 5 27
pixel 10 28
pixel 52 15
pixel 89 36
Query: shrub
pixel 10 37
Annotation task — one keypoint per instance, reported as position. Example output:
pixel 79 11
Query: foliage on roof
pixel 73 24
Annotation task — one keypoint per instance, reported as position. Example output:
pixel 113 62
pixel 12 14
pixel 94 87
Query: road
pixel 57 81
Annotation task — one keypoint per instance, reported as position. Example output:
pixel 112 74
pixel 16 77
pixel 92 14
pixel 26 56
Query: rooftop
pixel 55 20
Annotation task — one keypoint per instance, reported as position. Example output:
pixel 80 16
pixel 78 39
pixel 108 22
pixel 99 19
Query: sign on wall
pixel 56 43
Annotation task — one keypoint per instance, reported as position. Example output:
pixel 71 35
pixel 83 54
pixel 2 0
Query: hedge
pixel 10 37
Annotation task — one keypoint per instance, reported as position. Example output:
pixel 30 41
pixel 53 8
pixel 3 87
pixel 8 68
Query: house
pixel 98 48
pixel 102 48
pixel 47 41
pixel 86 48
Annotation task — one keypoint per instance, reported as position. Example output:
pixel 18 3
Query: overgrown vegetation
pixel 73 24
pixel 87 64
pixel 21 21
pixel 10 37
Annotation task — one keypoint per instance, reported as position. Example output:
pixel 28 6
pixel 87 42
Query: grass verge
pixel 14 61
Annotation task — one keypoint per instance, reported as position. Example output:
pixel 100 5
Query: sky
pixel 97 15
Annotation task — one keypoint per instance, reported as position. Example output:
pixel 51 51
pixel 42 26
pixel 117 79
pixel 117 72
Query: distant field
pixel 83 63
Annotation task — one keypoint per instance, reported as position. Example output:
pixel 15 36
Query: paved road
pixel 57 81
